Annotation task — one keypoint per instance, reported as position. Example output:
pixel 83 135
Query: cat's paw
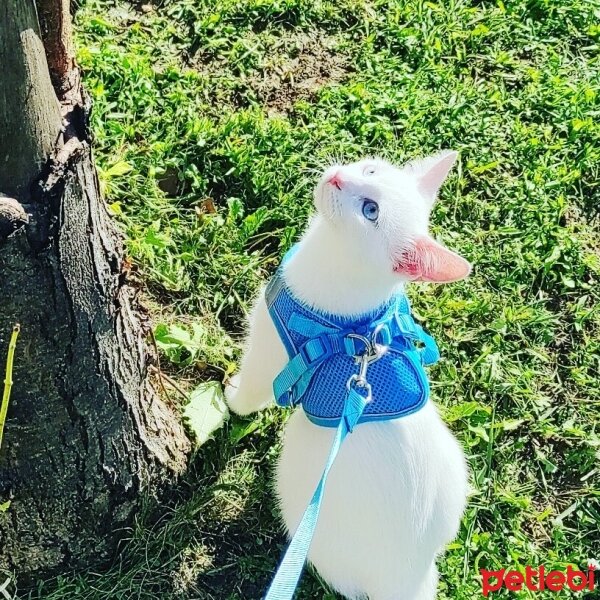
pixel 231 387
pixel 234 399
pixel 241 399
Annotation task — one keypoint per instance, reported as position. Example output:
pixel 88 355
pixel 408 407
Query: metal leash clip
pixel 372 353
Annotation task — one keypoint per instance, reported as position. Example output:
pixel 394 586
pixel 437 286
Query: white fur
pixel 397 490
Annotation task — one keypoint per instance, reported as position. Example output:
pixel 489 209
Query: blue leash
pixel 288 574
pixel 311 337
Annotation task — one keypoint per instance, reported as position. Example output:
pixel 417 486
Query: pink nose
pixel 336 180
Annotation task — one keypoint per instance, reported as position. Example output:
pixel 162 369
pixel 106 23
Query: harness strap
pixel 308 327
pixel 290 569
pixel 301 367
pixel 293 380
pixel 430 353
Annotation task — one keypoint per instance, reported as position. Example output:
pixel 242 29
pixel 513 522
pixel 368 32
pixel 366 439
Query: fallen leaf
pixel 207 206
pixel 206 411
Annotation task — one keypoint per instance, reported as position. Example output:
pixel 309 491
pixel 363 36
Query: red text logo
pixel 537 580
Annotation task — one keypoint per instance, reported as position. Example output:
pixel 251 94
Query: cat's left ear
pixel 427 260
pixel 431 172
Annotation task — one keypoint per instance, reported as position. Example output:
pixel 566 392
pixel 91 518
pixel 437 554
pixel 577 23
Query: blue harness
pixel 329 357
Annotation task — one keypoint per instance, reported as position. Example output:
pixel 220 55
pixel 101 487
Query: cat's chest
pixel 402 452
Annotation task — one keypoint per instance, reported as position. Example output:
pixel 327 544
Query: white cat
pixel 397 489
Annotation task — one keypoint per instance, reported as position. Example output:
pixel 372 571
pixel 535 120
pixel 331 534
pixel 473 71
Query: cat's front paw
pixel 234 399
pixel 242 399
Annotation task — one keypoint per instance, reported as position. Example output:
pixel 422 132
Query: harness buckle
pixel 315 349
pixel 372 353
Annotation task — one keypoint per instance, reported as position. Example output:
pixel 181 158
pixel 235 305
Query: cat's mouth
pixel 327 200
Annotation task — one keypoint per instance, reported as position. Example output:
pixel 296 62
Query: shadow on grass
pixel 217 538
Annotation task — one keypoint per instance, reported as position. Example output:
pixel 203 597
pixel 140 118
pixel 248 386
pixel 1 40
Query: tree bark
pixel 87 434
pixel 55 23
pixel 26 89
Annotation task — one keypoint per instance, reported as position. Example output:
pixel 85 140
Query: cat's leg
pixel 264 357
pixel 411 587
pixel 428 590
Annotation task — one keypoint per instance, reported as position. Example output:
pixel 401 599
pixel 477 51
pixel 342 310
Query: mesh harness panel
pixel 322 357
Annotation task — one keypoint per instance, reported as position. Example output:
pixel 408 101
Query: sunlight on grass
pixel 210 173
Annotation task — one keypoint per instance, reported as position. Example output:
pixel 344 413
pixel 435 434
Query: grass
pixel 211 119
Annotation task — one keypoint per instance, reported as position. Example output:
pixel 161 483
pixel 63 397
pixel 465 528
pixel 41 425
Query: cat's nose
pixel 336 180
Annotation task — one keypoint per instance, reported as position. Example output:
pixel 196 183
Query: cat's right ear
pixel 431 172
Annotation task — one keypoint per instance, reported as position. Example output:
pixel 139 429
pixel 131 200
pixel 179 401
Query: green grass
pixel 211 119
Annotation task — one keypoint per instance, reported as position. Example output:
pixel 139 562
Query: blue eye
pixel 370 210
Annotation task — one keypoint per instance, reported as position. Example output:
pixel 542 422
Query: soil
pixel 299 76
pixel 295 67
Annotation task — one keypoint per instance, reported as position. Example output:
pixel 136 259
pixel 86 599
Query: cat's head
pixel 384 210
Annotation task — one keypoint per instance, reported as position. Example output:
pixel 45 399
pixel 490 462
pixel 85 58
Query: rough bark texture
pixel 12 216
pixel 87 434
pixel 25 143
pixel 55 23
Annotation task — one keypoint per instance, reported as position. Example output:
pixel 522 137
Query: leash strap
pixel 290 569
pixel 396 328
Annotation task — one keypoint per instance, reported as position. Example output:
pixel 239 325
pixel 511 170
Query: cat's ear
pixel 431 172
pixel 427 260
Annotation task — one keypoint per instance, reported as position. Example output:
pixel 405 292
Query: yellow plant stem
pixel 8 379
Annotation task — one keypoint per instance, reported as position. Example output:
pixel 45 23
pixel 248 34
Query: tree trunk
pixel 29 110
pixel 55 22
pixel 87 435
